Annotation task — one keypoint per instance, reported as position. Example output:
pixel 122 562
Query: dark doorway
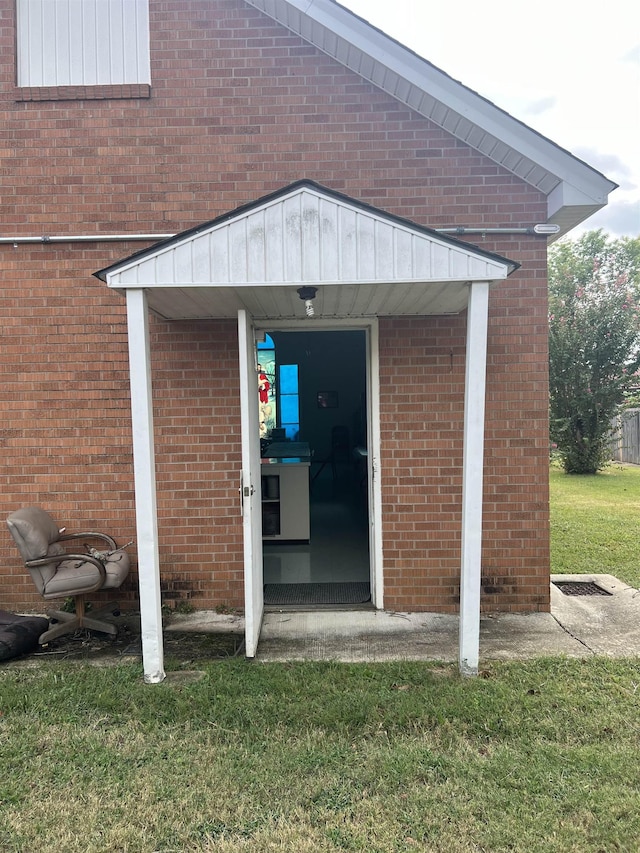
pixel 331 567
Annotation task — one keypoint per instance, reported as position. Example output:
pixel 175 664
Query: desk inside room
pixel 285 492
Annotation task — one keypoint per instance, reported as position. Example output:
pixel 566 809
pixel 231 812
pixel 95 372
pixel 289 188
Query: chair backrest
pixel 37 535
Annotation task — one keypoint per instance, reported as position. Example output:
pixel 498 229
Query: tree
pixel 594 343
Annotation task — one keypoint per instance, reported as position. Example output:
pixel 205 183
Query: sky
pixel 569 69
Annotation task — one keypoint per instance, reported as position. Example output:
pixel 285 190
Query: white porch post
pixel 145 486
pixel 472 469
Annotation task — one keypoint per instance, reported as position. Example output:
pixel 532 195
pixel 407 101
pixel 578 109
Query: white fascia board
pixel 567 195
pixel 455 96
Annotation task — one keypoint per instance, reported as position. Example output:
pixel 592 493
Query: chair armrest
pixel 93 534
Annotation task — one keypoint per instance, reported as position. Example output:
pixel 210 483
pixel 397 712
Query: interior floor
pixel 338 549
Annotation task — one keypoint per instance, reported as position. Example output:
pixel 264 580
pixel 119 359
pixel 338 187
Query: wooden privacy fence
pixel 625 441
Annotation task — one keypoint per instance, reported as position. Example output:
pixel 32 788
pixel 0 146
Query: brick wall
pixel 196 399
pixel 422 407
pixel 238 108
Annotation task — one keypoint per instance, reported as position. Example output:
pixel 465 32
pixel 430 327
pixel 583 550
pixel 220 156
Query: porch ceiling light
pixel 308 294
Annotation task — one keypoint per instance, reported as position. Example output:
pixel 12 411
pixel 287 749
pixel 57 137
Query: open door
pixel 250 491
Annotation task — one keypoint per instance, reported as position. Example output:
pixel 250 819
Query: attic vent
pixel 580 588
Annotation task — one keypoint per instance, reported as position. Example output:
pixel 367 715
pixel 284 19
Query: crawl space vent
pixel 580 588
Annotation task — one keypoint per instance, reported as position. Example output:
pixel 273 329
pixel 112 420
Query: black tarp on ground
pixel 19 634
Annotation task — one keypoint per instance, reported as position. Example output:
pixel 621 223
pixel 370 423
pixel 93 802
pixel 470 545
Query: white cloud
pixel 609 164
pixel 542 105
pixel 620 219
pixel 633 55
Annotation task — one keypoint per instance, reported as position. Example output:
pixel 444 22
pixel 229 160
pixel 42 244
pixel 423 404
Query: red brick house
pixel 173 173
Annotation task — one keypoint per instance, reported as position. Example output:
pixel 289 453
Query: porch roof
pixel 363 261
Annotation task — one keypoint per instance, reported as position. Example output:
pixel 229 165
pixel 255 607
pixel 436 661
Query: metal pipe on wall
pixel 85 238
pixel 543 230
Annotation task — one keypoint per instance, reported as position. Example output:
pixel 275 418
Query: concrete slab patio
pixel 578 626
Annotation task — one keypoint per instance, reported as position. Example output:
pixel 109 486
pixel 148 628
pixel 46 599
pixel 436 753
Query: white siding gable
pixel 308 238
pixel 83 42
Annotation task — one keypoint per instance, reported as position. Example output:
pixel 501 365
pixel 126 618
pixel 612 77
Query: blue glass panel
pixel 288 379
pixel 267 343
pixel 292 432
pixel 289 410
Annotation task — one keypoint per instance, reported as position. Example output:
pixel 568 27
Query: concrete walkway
pixel 578 626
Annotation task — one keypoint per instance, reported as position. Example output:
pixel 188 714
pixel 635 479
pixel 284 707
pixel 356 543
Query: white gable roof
pixel 363 261
pixel 574 190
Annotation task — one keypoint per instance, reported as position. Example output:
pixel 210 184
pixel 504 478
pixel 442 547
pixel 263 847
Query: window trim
pixel 82 93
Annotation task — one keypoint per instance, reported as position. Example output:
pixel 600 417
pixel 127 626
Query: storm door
pixel 250 495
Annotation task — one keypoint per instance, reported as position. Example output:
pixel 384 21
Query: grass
pixel 595 523
pixel 537 756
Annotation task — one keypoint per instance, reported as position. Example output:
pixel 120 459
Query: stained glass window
pixel 267 386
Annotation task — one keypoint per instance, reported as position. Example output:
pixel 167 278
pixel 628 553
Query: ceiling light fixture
pixel 308 294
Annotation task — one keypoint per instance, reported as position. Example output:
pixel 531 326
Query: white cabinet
pixel 285 500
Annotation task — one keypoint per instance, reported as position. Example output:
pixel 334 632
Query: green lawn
pixel 311 758
pixel 595 523
pixel 535 757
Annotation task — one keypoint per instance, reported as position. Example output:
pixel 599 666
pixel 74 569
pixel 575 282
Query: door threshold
pixel 313 595
pixel 313 608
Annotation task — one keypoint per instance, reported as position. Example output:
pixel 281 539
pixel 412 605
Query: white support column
pixel 145 486
pixel 373 467
pixel 472 470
